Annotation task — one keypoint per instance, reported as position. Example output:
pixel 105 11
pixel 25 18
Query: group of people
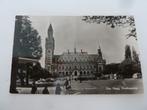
pixel 58 89
pixel 34 89
pixel 67 86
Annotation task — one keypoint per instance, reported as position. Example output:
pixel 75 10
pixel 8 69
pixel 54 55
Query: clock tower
pixel 49 49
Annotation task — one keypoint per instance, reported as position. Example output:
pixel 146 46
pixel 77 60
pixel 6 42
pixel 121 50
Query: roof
pixel 76 57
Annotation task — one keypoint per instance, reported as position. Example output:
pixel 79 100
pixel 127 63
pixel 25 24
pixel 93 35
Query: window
pixel 75 73
pixel 63 73
pixel 87 67
pixel 100 69
pixel 63 67
pixel 70 73
pixel 66 73
pixel 70 67
pixel 91 66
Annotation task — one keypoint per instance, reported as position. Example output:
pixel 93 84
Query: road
pixel 127 86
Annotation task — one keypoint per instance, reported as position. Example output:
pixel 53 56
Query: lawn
pixel 126 86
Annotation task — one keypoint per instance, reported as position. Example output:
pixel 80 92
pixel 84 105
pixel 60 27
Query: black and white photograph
pixel 75 55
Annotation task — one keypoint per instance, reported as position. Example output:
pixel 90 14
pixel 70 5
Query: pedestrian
pixel 58 89
pixel 45 90
pixel 34 88
pixel 66 84
pixel 69 84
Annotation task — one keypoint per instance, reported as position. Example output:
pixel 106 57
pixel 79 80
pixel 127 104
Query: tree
pixel 113 21
pixel 137 65
pixel 112 68
pixel 128 71
pixel 36 74
pixel 128 66
pixel 27 42
pixel 135 55
pixel 127 52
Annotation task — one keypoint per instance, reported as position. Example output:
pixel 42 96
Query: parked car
pixel 50 80
pixel 41 81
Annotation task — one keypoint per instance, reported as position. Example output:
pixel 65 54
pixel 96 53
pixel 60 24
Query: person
pixel 34 88
pixel 69 84
pixel 45 90
pixel 58 89
pixel 66 84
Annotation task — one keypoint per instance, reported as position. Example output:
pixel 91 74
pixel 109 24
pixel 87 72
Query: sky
pixel 71 32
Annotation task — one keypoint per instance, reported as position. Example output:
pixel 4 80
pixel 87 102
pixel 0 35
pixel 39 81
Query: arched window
pixel 75 73
pixel 84 72
pixel 100 69
pixel 80 72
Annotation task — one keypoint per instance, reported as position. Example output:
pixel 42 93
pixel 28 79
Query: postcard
pixel 73 55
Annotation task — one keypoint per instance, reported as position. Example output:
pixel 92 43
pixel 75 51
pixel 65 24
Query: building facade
pixel 75 64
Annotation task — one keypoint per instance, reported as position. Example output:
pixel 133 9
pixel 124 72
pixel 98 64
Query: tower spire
pixel 50 27
pixel 99 51
pixel 50 31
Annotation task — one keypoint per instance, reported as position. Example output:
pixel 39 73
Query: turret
pixel 50 32
pixel 100 62
pixel 99 52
